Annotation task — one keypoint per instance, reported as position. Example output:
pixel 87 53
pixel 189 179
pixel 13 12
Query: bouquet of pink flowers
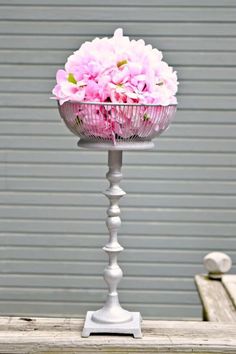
pixel 120 71
pixel 116 70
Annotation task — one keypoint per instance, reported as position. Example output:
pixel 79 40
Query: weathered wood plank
pixel 45 335
pixel 217 306
pixel 229 282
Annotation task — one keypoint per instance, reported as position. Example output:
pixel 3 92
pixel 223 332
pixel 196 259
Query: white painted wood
pixel 112 318
pixel 217 263
pixel 51 336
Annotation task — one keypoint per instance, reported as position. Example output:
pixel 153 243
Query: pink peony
pixel 116 70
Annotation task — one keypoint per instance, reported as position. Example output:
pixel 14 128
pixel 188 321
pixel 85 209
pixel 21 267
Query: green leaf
pixel 146 117
pixel 71 78
pixel 122 62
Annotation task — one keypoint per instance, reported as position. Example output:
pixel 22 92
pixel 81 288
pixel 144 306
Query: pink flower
pixel 67 88
pixel 116 70
pixel 119 70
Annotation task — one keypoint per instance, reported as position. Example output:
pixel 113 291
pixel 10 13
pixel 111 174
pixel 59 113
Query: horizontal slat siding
pixel 118 13
pixel 57 130
pixel 49 71
pixel 162 243
pixel 92 267
pixel 34 170
pixel 187 87
pixel 186 101
pixel 87 199
pixel 20 56
pixel 87 296
pixel 165 228
pixel 166 43
pixel 96 28
pixel 72 254
pixel 190 159
pixel 72 309
pixel 122 3
pixel 68 143
pixel 181 198
pixel 50 115
pixel 130 214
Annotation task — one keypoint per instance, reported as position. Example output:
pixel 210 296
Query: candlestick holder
pixel 115 128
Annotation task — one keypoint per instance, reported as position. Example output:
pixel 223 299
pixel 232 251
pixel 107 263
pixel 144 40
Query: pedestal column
pixel 112 318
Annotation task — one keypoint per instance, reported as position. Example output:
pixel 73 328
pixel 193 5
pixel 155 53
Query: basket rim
pixel 117 104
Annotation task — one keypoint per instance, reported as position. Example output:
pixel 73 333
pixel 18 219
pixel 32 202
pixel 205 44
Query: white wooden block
pixel 217 263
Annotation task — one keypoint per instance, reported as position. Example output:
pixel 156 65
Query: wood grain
pixel 217 306
pixel 229 282
pixel 47 336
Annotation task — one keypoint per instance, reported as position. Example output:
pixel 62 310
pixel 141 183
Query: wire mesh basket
pixel 116 122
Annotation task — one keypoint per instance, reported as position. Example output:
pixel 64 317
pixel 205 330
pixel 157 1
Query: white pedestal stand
pixel 112 318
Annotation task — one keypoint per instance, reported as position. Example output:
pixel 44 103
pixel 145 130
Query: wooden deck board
pixel 217 306
pixel 57 335
pixel 229 282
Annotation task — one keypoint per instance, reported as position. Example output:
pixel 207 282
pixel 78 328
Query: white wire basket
pixel 116 122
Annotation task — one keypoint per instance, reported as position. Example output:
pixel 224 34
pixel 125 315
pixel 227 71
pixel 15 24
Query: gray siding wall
pixel 52 212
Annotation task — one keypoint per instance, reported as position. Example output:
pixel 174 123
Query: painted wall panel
pixel 51 209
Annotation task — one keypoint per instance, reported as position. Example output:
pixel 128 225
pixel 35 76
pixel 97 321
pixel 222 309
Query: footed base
pixel 132 327
pixel 120 145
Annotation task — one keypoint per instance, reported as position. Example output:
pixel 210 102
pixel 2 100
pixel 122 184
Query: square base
pixel 132 327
